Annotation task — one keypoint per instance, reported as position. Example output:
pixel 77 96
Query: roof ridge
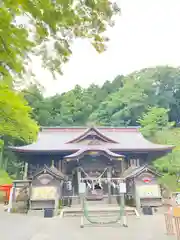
pixel 86 127
pixel 89 131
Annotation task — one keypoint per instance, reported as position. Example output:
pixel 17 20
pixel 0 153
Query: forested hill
pixel 150 98
pixel 120 102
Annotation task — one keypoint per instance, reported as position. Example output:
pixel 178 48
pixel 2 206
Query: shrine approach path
pixel 19 227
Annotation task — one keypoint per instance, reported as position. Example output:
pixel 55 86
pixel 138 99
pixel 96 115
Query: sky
pixel 145 35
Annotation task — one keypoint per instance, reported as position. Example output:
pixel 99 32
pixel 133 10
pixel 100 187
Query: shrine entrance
pixel 103 187
pixel 95 187
pixel 98 170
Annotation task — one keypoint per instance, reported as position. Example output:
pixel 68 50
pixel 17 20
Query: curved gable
pixel 92 135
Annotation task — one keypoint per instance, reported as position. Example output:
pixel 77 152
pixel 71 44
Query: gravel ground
pixel 19 227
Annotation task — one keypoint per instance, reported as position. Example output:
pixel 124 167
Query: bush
pixel 4 177
pixel 170 182
pixel 2 194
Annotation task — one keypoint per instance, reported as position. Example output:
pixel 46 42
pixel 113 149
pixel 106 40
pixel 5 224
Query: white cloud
pixel 147 34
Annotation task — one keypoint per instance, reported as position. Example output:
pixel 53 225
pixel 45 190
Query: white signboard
pixel 122 187
pixel 82 188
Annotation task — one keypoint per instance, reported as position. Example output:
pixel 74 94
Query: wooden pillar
pixel 25 175
pixel 63 165
pixel 122 199
pixel 52 163
pixel 137 199
pixel 109 176
pixel 122 166
pixel 59 165
pixel 78 181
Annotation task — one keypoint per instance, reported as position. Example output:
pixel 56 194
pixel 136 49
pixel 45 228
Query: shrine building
pixel 80 153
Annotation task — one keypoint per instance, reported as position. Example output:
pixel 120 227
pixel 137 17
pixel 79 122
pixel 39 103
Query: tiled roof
pixel 52 170
pixel 56 140
pixel 132 172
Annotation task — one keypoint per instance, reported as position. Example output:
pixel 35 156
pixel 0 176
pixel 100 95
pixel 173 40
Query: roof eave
pixel 21 149
pixel 148 169
pixel 48 170
pixel 107 152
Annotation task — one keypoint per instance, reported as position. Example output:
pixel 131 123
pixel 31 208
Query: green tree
pixel 44 27
pixel 4 178
pixel 15 116
pixel 123 107
pixel 71 108
pixel 150 87
pixel 165 88
pixel 16 126
pixel 154 120
pixel 42 108
pixel 157 128
pixel 169 165
pixel 118 103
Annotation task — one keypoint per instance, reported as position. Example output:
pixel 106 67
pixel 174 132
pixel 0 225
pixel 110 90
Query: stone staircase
pixel 76 201
pixel 97 210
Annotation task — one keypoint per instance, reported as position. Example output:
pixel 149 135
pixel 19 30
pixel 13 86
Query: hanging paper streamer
pixel 93 184
pixel 89 185
pixel 105 181
pixel 113 184
pixel 100 184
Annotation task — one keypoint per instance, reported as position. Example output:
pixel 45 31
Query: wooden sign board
pixel 43 193
pixel 152 191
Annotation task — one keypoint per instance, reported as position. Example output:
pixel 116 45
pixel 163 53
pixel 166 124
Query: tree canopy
pixel 15 116
pixel 121 102
pixel 47 28
pixel 154 120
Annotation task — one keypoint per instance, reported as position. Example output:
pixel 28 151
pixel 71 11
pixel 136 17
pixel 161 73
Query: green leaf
pixel 30 26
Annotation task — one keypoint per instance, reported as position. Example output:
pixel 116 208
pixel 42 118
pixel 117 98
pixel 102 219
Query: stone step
pixel 39 213
pixel 105 200
pixel 99 214
pixel 97 211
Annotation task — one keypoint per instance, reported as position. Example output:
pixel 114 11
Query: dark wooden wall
pixel 37 161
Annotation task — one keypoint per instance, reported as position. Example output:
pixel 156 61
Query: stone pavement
pixel 19 227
